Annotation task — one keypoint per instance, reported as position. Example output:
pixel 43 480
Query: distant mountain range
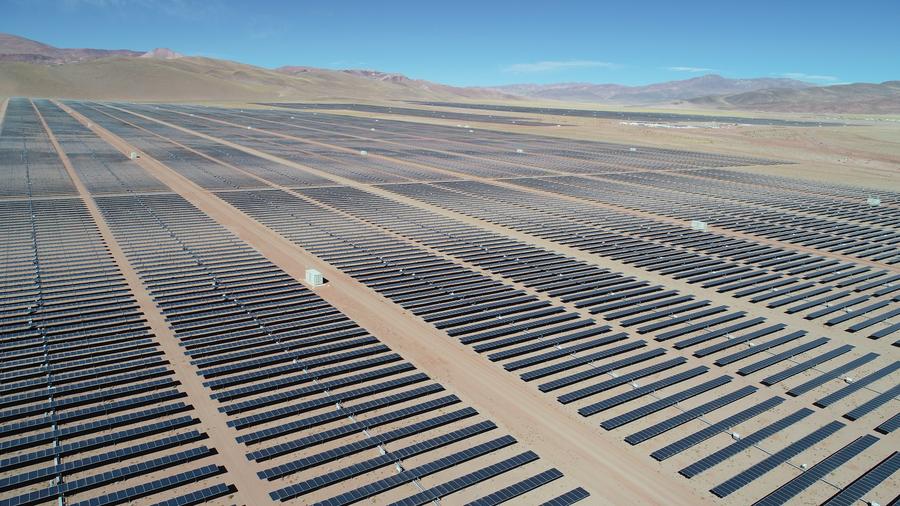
pixel 859 98
pixel 406 82
pixel 31 68
pixel 20 49
pixel 686 89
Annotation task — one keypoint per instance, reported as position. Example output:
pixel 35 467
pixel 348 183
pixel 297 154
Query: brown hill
pixel 411 84
pixel 197 79
pixel 859 98
pixel 31 68
pixel 20 49
pixel 711 84
pixel 162 53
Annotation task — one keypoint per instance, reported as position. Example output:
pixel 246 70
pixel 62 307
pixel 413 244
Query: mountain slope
pixel 653 93
pixel 194 79
pixel 409 83
pixel 31 68
pixel 15 48
pixel 862 98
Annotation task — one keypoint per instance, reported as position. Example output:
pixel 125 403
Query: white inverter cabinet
pixel 314 278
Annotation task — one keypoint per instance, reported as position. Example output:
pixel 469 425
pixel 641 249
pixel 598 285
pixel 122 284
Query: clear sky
pixel 489 42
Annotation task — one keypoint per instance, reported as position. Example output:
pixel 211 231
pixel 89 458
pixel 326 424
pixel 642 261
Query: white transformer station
pixel 873 201
pixel 314 278
pixel 698 225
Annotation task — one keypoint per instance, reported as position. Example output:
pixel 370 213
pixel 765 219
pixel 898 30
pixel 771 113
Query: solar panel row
pixel 281 360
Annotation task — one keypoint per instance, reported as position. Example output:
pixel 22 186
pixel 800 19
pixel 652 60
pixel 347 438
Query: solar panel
pixel 814 302
pixel 735 340
pixel 344 473
pixel 886 331
pixel 773 359
pixel 512 329
pixel 318 387
pixel 716 428
pixel 600 369
pixel 744 478
pixel 663 403
pixel 674 321
pixel 857 385
pixel 889 425
pixel 801 296
pixel 570 497
pixel 198 496
pixel 586 359
pixel 529 336
pixel 332 454
pixel 668 311
pixel 562 352
pixel 518 489
pixel 97 442
pixel 369 423
pixel 83 464
pixel 656 301
pixel 836 307
pixel 142 468
pixel 805 365
pixel 832 374
pixel 400 478
pixel 774 286
pixel 873 404
pixel 875 319
pixel 641 391
pixel 686 416
pixel 303 407
pixel 869 480
pixel 855 313
pixel 285 380
pixel 144 489
pixel 740 445
pixel 342 412
pixel 716 333
pixel 437 492
pixel 789 490
pixel 698 326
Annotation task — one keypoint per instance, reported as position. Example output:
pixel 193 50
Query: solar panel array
pixel 29 166
pixel 496 240
pixel 305 215
pixel 88 401
pixel 619 115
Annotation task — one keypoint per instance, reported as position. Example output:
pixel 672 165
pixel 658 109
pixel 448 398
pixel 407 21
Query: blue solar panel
pixel 772 461
pixel 517 489
pixel 686 416
pixel 857 385
pixel 570 497
pixel 663 403
pixel 641 391
pixel 869 480
pixel 714 429
pixel 791 489
pixel 889 425
pixel 832 374
pixel 740 445
pixel 873 404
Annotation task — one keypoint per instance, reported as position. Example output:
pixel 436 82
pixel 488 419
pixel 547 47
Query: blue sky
pixel 488 42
